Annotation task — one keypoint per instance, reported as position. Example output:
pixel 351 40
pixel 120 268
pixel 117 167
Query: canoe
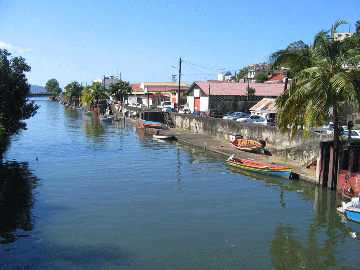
pixel 89 113
pixel 247 145
pixel 259 167
pixel 150 124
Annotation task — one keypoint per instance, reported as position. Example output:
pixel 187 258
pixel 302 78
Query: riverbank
pixel 224 147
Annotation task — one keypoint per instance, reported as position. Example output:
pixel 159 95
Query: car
pixel 167 109
pixel 196 113
pixel 210 113
pixel 185 111
pixel 265 121
pixel 354 134
pixel 249 118
pixel 235 115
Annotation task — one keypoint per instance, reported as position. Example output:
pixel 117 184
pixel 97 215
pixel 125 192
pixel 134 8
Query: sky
pixel 143 40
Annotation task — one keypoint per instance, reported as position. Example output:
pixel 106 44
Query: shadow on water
pixel 16 200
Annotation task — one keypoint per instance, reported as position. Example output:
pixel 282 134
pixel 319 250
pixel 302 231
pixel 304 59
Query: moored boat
pixel 150 124
pixel 162 136
pixel 106 119
pixel 248 145
pixel 259 167
pixel 352 209
pixel 89 113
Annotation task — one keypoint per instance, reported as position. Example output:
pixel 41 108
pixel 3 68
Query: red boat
pixel 150 124
pixel 248 145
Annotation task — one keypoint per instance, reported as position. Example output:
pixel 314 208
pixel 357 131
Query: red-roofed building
pixel 228 96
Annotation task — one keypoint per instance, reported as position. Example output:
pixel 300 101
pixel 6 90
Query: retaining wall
pixel 301 149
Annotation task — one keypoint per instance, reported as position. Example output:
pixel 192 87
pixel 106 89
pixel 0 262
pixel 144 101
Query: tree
pixel 242 73
pixel 120 90
pixel 261 77
pixel 91 94
pixel 14 104
pixel 73 92
pixel 52 86
pixel 320 87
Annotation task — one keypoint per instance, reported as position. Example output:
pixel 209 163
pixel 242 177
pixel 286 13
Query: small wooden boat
pixel 162 136
pixel 248 145
pixel 89 113
pixel 259 167
pixel 106 119
pixel 150 124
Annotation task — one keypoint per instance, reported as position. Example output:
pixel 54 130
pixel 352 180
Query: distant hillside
pixel 37 89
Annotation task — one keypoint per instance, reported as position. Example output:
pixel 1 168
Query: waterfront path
pixel 224 147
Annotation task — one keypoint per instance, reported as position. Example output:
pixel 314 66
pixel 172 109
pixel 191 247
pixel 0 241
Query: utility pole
pixel 179 85
pixel 209 98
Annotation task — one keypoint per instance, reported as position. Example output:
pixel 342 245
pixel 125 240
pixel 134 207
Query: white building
pixel 106 81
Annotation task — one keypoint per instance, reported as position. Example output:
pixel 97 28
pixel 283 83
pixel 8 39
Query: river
pixel 82 194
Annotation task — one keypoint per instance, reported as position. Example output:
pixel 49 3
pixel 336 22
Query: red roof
pixel 276 78
pixel 220 88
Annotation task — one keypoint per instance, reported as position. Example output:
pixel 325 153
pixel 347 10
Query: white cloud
pixel 9 47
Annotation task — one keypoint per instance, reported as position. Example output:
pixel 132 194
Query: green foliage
pixel 250 91
pixel 91 94
pixel 120 90
pixel 52 86
pixel 261 77
pixel 14 90
pixel 72 91
pixel 242 73
pixel 322 82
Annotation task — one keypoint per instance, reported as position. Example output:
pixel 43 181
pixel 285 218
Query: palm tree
pixel 326 76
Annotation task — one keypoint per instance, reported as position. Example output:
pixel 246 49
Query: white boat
pixel 352 209
pixel 162 136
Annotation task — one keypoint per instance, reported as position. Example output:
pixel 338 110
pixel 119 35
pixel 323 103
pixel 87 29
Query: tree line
pixel 89 94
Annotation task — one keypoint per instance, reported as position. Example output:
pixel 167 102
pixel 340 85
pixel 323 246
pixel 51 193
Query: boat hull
pixel 260 167
pixel 247 145
pixel 149 124
pixel 353 214
pixel 164 137
pixel 106 119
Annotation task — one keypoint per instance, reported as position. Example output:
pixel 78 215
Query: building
pixel 342 36
pixel 225 77
pixel 266 108
pixel 228 96
pixel 255 69
pixel 106 81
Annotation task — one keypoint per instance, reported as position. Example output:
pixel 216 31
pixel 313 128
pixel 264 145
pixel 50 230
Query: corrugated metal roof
pixel 266 104
pixel 238 89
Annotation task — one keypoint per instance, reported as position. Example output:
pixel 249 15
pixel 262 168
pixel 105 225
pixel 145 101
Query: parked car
pixel 235 115
pixel 265 121
pixel 185 111
pixel 354 134
pixel 196 113
pixel 249 118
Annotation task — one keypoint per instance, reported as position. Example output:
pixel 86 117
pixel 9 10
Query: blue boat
pixel 353 214
pixel 259 167
pixel 352 209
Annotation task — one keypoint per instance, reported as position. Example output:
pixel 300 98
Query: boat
pixel 352 209
pixel 89 113
pixel 150 124
pixel 259 167
pixel 106 119
pixel 248 145
pixel 162 136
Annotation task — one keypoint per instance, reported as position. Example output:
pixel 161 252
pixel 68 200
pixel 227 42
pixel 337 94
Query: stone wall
pixel 301 149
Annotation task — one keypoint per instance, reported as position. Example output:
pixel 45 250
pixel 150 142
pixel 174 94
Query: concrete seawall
pixel 301 149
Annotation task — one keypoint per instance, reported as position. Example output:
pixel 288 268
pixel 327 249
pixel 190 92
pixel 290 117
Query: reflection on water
pixel 116 198
pixel 17 184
